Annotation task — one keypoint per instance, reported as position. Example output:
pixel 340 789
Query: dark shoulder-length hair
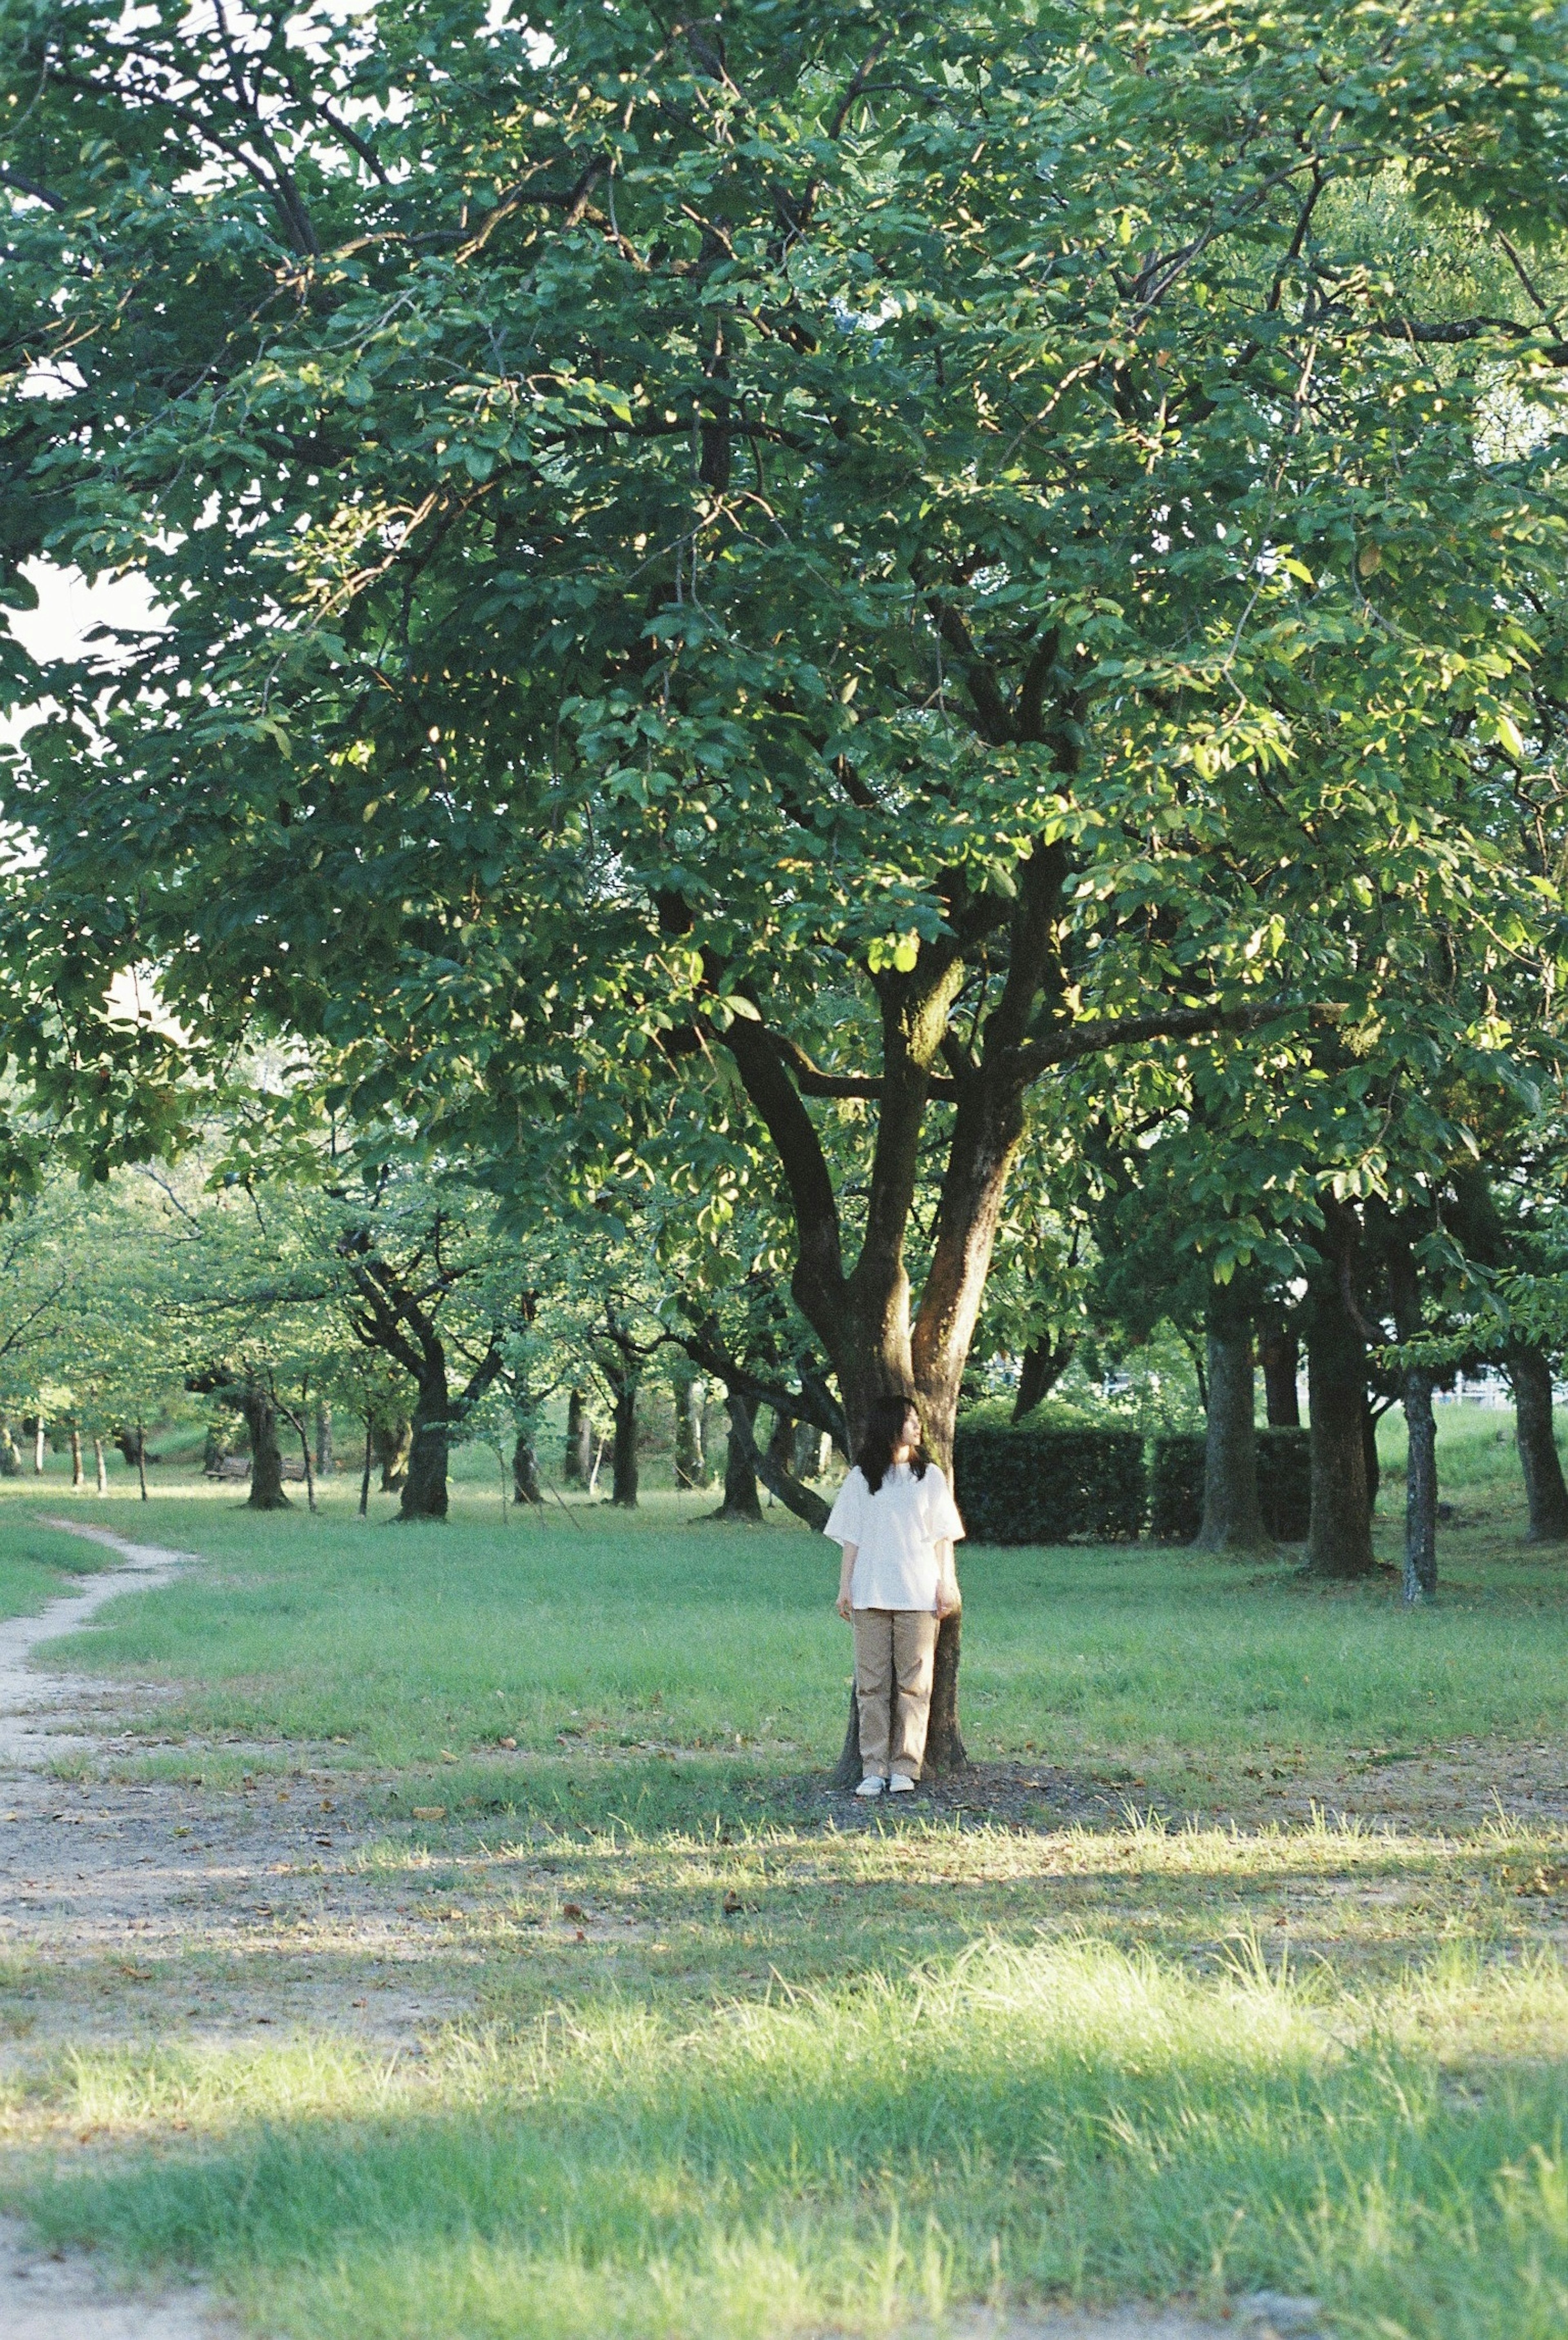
pixel 884 1427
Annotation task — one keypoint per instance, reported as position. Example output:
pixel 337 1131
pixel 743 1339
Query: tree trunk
pixel 525 1487
pixel 1530 1374
pixel 578 1460
pixel 366 1475
pixel 78 1476
pixel 101 1466
pixel 812 1448
pixel 1041 1367
pixel 266 1456
pixel 326 1462
pixel 780 1454
pixel 1371 1461
pixel 10 1461
pixel 690 1462
pixel 38 1446
pixel 1279 1352
pixel 142 1460
pixel 302 1431
pixel 1341 1534
pixel 394 1442
pixel 1420 1486
pixel 623 1453
pixel 740 1500
pixel 424 1493
pixel 1231 1514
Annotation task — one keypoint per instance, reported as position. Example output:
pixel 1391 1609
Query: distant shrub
pixel 1284 1485
pixel 1040 1482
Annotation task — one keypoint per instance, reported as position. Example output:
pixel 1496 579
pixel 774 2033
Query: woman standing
pixel 898 1522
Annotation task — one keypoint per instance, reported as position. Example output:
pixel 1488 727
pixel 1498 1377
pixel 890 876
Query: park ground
pixel 445 1934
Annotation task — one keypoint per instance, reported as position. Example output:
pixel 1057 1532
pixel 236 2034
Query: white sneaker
pixel 899 1786
pixel 869 1786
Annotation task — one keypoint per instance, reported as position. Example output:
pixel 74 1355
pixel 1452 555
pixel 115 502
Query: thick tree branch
pixel 1074 1041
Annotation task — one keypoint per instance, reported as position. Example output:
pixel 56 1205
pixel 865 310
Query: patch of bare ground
pixel 66 2295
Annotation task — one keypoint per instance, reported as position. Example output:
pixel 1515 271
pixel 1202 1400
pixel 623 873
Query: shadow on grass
pixel 1064 2120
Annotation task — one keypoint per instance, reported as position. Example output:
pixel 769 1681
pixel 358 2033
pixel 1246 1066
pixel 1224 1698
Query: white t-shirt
pixel 896 1532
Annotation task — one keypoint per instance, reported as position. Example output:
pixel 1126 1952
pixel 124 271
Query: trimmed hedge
pixel 1026 1483
pixel 1284 1485
pixel 1175 1485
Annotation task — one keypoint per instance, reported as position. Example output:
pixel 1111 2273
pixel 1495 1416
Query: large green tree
pixel 821 559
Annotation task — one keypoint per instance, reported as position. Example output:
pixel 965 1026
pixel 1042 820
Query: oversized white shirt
pixel 896 1533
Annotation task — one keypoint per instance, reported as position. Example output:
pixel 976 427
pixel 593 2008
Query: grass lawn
pixel 726 2061
pixel 37 1563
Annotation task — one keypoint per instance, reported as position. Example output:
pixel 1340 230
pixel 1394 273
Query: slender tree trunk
pixel 740 1498
pixel 100 1466
pixel 1420 1486
pixel 10 1461
pixel 38 1446
pixel 142 1459
pixel 302 1422
pixel 579 1460
pixel 78 1476
pixel 690 1462
pixel 1420 1572
pixel 623 1459
pixel 425 1489
pixel 365 1473
pixel 1040 1368
pixel 326 1462
pixel 1341 1534
pixel 1371 1461
pixel 1530 1371
pixel 1231 1514
pixel 525 1487
pixel 1279 1352
pixel 261 1416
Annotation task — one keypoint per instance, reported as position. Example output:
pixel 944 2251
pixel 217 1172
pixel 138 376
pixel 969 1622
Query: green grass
pixel 38 1563
pixel 593 1632
pixel 795 2078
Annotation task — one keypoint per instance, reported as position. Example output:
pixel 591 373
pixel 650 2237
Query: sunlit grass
pixel 1013 2122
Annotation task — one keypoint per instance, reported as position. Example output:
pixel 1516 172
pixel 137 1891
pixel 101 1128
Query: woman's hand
pixel 949 1601
pixel 844 1605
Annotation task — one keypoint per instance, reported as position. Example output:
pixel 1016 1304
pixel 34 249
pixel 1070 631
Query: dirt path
pixel 32 1705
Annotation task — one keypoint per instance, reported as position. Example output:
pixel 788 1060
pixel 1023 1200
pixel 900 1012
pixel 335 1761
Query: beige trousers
pixel 895 1654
